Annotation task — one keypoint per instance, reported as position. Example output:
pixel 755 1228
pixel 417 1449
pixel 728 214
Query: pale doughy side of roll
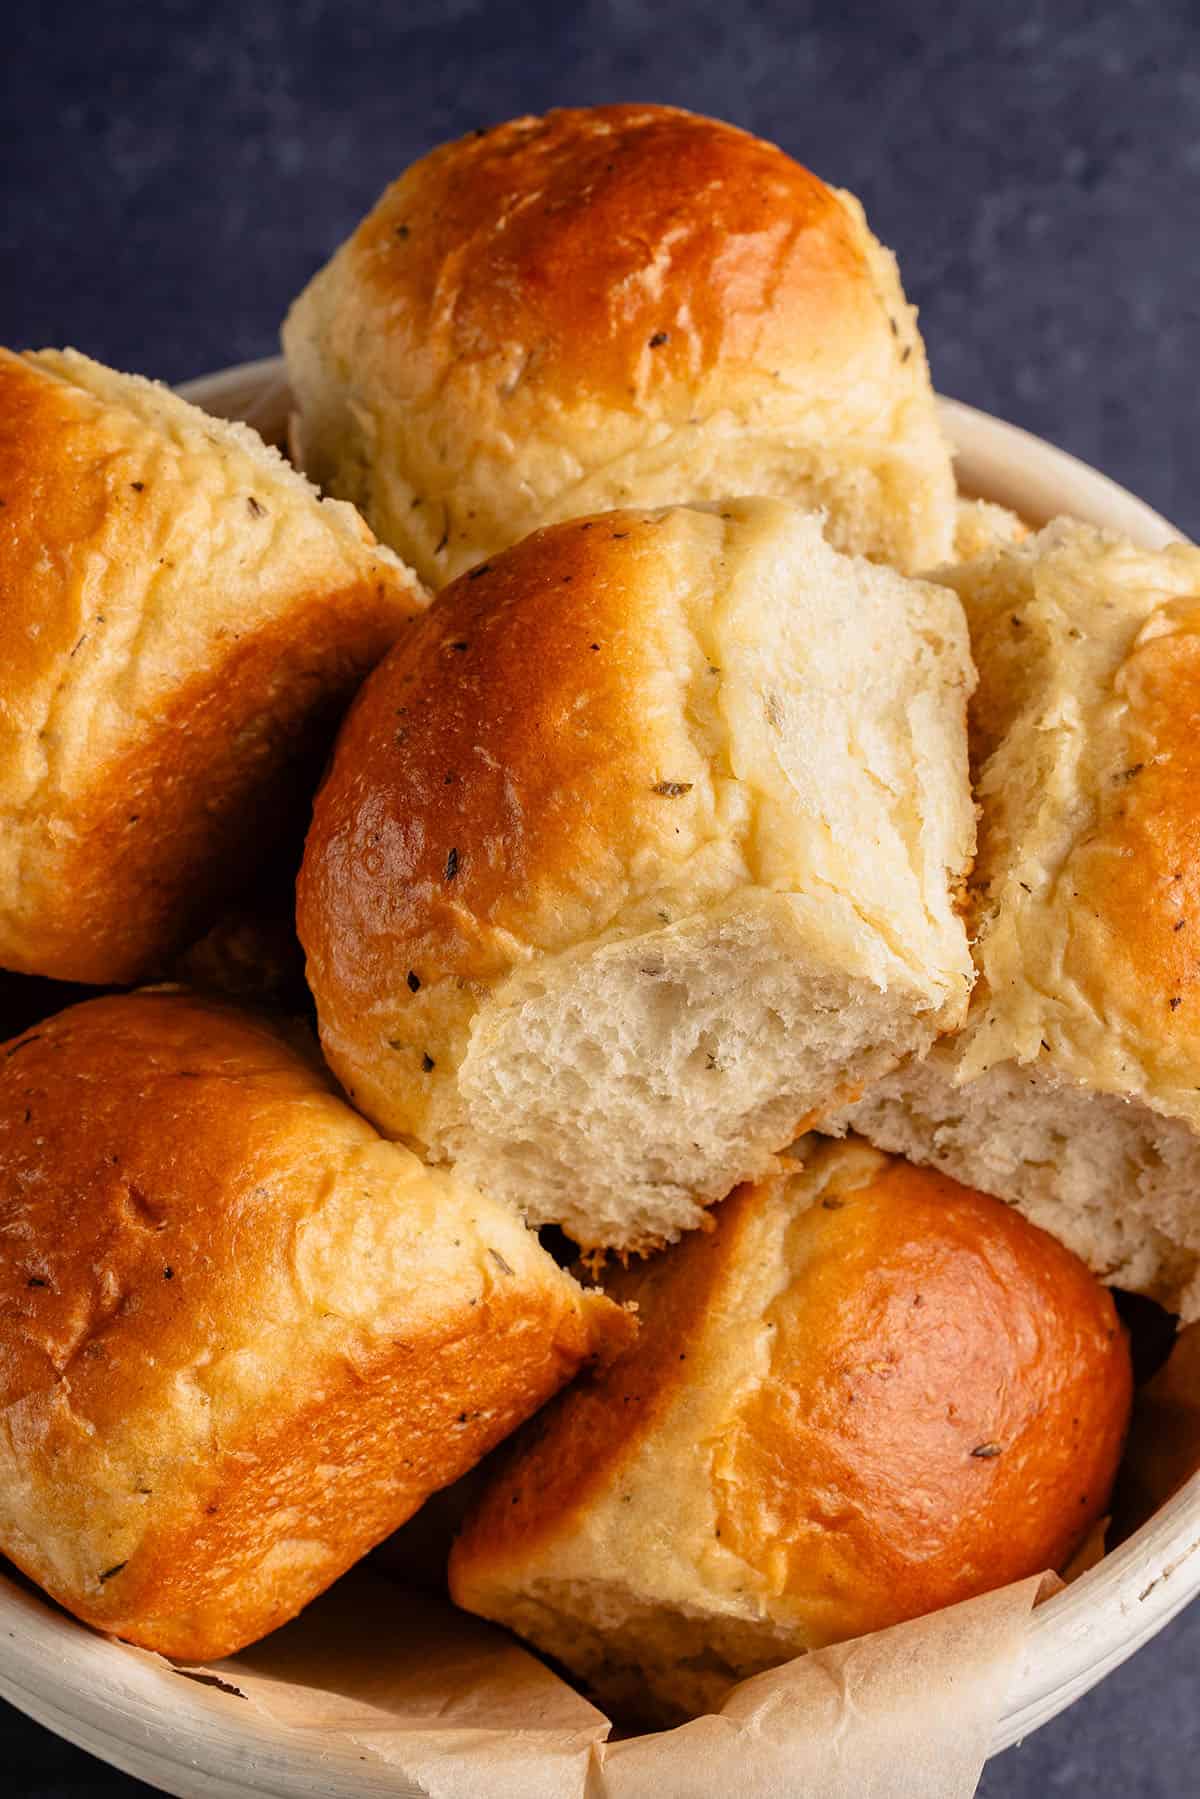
pixel 1074 1090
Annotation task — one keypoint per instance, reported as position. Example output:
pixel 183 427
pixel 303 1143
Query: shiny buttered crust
pixel 241 1338
pixel 637 853
pixel 622 305
pixel 1075 1088
pixel 866 1394
pixel 182 621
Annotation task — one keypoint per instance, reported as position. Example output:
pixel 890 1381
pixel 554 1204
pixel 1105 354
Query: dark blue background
pixel 171 173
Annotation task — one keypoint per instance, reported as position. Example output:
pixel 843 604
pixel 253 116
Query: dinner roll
pixel 241 1338
pixel 637 853
pixel 609 306
pixel 866 1394
pixel 1074 1091
pixel 183 620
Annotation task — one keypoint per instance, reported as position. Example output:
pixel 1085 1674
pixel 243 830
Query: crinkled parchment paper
pixel 426 1701
pixel 460 1711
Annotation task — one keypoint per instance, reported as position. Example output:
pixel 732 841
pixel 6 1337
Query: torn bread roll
pixel 613 306
pixel 866 1394
pixel 241 1338
pixel 183 622
pixel 1074 1090
pixel 640 850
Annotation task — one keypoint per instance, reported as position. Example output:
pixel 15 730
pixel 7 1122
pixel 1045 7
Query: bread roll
pixel 866 1394
pixel 638 852
pixel 183 620
pixel 241 1339
pixel 1074 1091
pixel 613 306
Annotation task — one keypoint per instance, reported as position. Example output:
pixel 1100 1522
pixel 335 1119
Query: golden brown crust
pixel 237 1348
pixel 931 1404
pixel 535 234
pixel 613 305
pixel 487 790
pixel 182 628
pixel 217 786
pixel 953 1389
pixel 387 1440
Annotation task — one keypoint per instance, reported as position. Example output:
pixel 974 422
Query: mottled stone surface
pixel 171 172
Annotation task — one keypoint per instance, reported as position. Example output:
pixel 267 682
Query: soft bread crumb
pixel 618 1094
